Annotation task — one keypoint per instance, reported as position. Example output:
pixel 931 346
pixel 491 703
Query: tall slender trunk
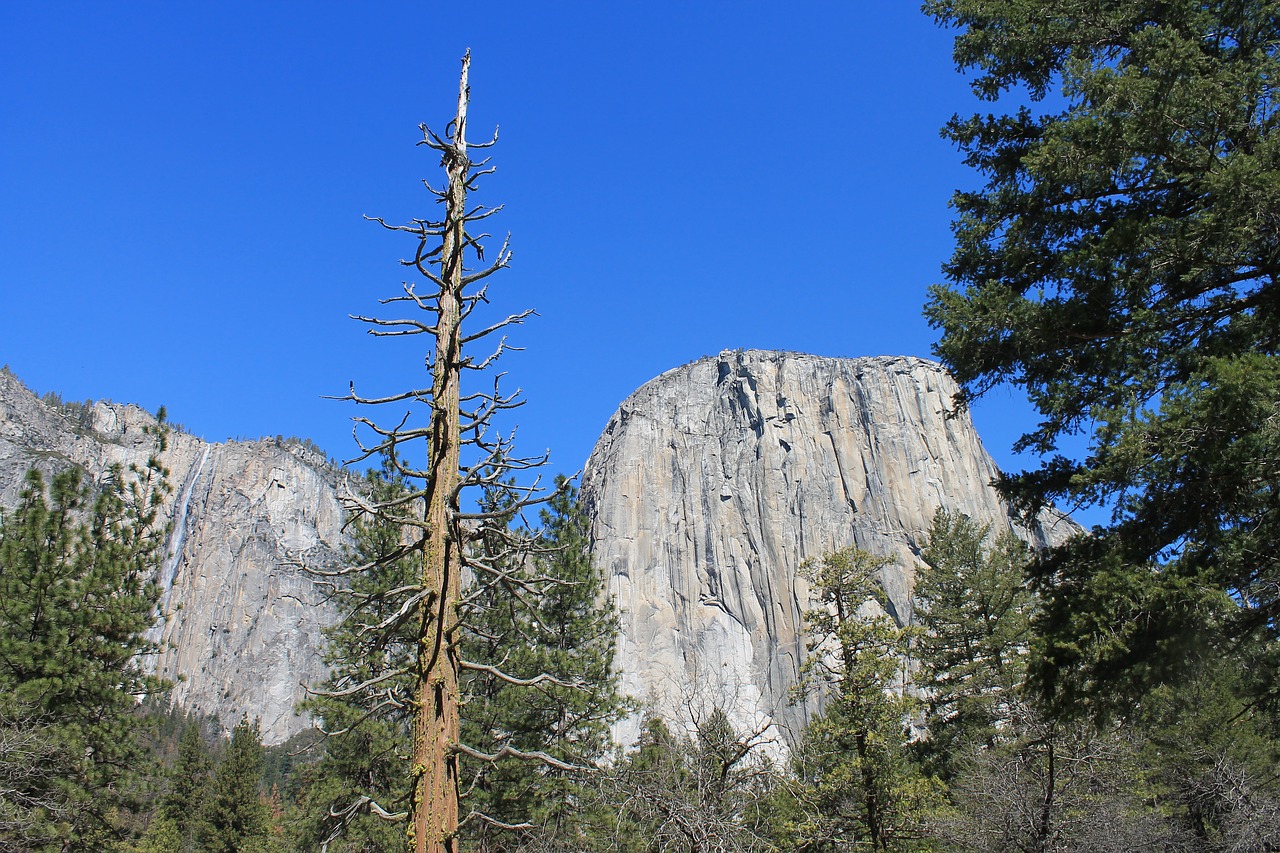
pixel 434 813
pixel 1044 828
pixel 871 793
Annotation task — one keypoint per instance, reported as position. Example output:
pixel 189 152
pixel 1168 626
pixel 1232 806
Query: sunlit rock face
pixel 244 622
pixel 714 481
pixel 709 487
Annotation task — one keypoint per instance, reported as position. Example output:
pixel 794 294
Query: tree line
pixel 931 737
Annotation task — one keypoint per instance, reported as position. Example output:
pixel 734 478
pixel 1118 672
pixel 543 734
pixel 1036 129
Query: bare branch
pixel 345 816
pixel 509 751
pixel 416 327
pixel 510 320
pixel 480 212
pixel 502 262
pixel 358 688
pixel 418 226
pixel 542 678
pixel 492 821
pixel 492 142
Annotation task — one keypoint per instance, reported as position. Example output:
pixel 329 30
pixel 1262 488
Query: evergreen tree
pixel 1018 780
pixel 162 836
pixel 1120 265
pixel 1212 767
pixel 539 682
pixel 233 816
pixel 707 792
pixel 188 781
pixel 359 789
pixel 974 610
pixel 548 621
pixel 854 757
pixel 76 598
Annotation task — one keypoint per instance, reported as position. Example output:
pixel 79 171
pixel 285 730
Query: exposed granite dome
pixel 714 481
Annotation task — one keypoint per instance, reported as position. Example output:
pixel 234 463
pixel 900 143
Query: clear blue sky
pixel 182 187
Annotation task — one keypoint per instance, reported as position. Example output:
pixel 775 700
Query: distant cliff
pixel 714 481
pixel 244 624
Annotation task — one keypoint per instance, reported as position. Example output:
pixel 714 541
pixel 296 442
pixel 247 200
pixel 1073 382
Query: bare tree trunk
pixel 438 531
pixel 434 812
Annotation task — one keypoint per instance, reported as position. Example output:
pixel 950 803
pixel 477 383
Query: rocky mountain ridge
pixel 709 487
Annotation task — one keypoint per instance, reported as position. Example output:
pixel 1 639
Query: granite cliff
pixel 714 481
pixel 708 488
pixel 243 632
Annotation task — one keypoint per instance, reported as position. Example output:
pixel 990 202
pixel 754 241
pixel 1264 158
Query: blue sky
pixel 183 186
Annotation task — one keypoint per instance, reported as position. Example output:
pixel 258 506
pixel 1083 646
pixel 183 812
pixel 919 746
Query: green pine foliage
pixel 974 611
pixel 285 764
pixel 863 788
pixel 234 816
pixel 1210 764
pixel 539 639
pixel 1017 781
pixel 1120 265
pixel 545 620
pixel 1176 774
pixel 188 780
pixel 162 836
pixel 353 794
pixel 76 599
pixel 709 790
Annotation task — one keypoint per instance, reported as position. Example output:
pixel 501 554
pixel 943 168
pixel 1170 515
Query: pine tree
pixel 704 792
pixel 546 617
pixel 448 457
pixel 550 621
pixel 1018 778
pixel 359 790
pixel 1120 264
pixel 162 836
pixel 188 781
pixel 854 756
pixel 974 610
pixel 233 816
pixel 76 599
pixel 1210 764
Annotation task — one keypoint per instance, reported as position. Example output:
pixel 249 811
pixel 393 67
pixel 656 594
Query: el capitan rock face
pixel 243 632
pixel 714 481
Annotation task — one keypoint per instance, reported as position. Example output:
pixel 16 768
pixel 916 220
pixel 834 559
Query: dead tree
pixel 443 531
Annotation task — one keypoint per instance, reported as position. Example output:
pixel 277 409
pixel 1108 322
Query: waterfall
pixel 178 536
pixel 173 551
